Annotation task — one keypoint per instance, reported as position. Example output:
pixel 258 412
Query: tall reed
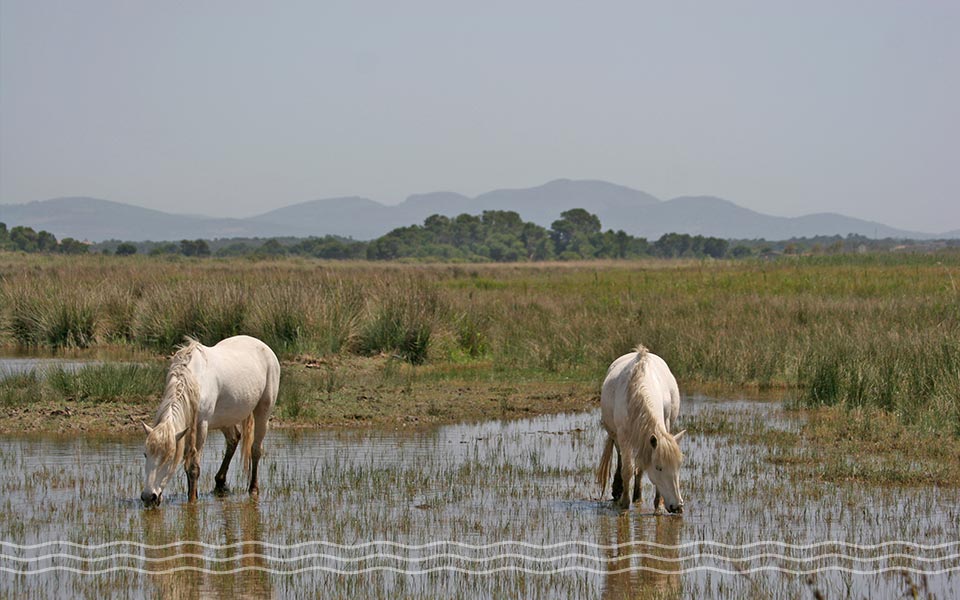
pixel 852 331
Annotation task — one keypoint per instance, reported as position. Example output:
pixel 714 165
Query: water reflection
pixel 637 569
pixel 21 366
pixel 236 563
pixel 429 493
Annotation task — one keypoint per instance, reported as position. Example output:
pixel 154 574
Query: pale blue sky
pixel 234 108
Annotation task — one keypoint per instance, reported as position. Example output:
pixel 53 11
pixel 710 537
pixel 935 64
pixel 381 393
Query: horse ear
pixel 653 441
pixel 679 435
pixel 146 428
pixel 181 434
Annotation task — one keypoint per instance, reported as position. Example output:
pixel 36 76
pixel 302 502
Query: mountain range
pixel 618 207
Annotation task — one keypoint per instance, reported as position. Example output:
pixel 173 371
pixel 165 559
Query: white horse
pixel 638 403
pixel 231 384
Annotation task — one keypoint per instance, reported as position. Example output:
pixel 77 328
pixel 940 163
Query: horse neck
pixel 646 421
pixel 180 403
pixel 647 418
pixel 177 413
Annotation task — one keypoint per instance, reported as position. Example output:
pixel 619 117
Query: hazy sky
pixel 234 108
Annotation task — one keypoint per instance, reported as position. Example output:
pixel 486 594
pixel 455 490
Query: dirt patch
pixel 64 416
pixel 356 392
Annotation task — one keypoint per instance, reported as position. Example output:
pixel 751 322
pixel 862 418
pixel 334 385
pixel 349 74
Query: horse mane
pixel 183 390
pixel 644 422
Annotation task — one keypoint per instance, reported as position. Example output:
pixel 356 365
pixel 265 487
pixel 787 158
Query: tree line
pixel 25 239
pixel 501 236
pixel 492 236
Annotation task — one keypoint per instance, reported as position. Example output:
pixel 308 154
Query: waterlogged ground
pixel 499 509
pixel 20 366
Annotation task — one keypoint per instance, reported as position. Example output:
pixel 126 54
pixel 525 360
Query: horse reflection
pixel 241 570
pixel 639 570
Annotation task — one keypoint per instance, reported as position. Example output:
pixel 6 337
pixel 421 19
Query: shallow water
pixel 491 509
pixel 18 366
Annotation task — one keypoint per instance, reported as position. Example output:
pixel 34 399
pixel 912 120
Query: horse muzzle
pixel 675 510
pixel 150 498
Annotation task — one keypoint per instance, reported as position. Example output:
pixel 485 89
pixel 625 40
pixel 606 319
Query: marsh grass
pixel 402 320
pixel 41 317
pixel 877 331
pixel 96 383
pixel 864 445
pixel 281 320
pixel 298 398
pixel 914 379
pixel 224 316
pixel 471 335
pixel 872 445
pixel 166 315
pixel 20 388
pixel 101 396
pixel 109 382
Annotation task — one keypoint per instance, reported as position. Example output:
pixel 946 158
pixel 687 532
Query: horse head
pixel 162 452
pixel 664 469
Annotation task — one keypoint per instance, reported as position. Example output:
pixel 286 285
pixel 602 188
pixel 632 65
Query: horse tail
pixel 246 444
pixel 603 471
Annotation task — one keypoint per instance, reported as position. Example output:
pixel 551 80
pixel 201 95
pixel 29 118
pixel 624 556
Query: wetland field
pixel 437 429
pixel 499 508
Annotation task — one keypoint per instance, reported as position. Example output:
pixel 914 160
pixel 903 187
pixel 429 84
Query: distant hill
pixel 355 217
pixel 709 216
pixel 618 207
pixel 361 218
pixel 96 220
pixel 543 204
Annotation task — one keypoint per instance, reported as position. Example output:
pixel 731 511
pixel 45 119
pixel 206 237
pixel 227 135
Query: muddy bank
pixel 385 408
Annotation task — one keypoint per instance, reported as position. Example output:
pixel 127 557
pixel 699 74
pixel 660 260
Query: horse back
pixel 663 385
pixel 657 383
pixel 614 395
pixel 240 371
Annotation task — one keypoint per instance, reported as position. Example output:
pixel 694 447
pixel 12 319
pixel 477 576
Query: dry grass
pixel 855 332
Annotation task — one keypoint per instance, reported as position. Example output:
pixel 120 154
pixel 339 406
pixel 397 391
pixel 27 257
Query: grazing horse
pixel 639 402
pixel 231 387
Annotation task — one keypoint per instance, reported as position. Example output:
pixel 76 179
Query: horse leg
pixel 232 436
pixel 617 487
pixel 656 502
pixel 192 462
pixel 261 417
pixel 627 474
